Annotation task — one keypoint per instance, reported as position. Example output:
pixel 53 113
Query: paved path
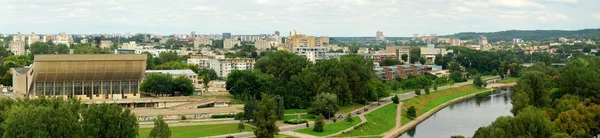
pixel 399 115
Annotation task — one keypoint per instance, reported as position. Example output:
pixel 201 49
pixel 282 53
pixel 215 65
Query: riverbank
pixel 396 132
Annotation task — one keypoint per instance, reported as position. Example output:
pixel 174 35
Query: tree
pixel 395 99
pixel 280 107
pixel 7 79
pixel 422 60
pixel 478 82
pixel 532 89
pixel 249 108
pixel 158 84
pixel 39 48
pixel 530 122
pixel 580 78
pixel 160 129
pixel 171 65
pixel 241 126
pixel 427 90
pixel 418 92
pixel 411 112
pixel 212 75
pixel 319 123
pixel 265 118
pixel 183 85
pixel 390 62
pixel 149 61
pixel 349 117
pixel 404 57
pixel 165 57
pixel 457 136
pixel 109 121
pixel 325 104
pixel 205 81
pixel 62 49
pixel 435 87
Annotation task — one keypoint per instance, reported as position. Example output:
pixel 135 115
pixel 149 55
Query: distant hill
pixel 529 35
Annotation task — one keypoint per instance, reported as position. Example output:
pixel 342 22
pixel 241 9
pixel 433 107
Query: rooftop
pixel 186 71
pixel 21 70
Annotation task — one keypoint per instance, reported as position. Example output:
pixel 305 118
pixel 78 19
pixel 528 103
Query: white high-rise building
pixel 230 43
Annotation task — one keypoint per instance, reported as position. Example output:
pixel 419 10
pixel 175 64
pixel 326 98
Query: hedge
pixel 295 121
pixel 223 116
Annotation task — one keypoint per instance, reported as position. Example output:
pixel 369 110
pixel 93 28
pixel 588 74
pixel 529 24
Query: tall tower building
pixel 379 36
pixel 293 33
pixel 226 35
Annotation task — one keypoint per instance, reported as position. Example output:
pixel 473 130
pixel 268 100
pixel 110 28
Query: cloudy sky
pixel 312 17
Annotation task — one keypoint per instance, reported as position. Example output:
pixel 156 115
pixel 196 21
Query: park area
pixel 330 128
pixel 198 130
pixel 427 102
pixel 378 122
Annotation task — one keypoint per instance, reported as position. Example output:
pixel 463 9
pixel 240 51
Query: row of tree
pixel 165 85
pixel 56 117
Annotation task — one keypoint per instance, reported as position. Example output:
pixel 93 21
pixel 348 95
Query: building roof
pixel 88 67
pixel 21 70
pixel 89 57
pixel 186 71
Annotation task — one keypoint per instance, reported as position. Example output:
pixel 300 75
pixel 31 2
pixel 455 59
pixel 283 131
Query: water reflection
pixel 465 117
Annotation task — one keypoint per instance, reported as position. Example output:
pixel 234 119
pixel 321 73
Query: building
pixel 378 57
pixel 106 44
pixel 379 36
pixel 17 47
pixel 224 66
pixel 311 53
pixel 176 73
pixel 293 33
pixel 48 38
pixel 517 41
pixel 33 38
pixel 226 36
pixel 455 42
pixel 200 41
pixel 262 44
pixel 429 53
pixel 399 50
pixel 63 38
pixel 389 73
pixel 83 41
pixel 324 39
pixel 18 37
pixel 130 45
pixel 230 43
pixel 81 76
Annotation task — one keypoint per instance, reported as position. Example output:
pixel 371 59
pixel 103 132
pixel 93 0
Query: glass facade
pixel 89 89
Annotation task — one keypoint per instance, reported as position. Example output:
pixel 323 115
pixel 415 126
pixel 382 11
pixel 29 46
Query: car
pixel 366 109
pixel 340 116
pixel 378 104
pixel 230 136
pixel 358 112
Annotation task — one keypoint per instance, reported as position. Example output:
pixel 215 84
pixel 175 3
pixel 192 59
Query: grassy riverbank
pixel 378 122
pixel 330 128
pixel 198 130
pixel 425 103
pixel 509 80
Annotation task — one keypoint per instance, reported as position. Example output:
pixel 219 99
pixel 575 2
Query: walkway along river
pixel 465 117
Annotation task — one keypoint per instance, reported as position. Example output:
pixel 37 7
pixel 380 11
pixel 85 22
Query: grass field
pixel 509 80
pixel 309 117
pixel 425 103
pixel 197 131
pixel 293 111
pixel 330 128
pixel 348 108
pixel 378 122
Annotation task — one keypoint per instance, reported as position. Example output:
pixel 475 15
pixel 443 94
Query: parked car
pixel 230 136
pixel 340 116
pixel 378 104
pixel 358 112
pixel 366 109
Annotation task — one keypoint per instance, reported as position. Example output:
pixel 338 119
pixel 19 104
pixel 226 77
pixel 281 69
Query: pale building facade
pixel 198 41
pixel 230 43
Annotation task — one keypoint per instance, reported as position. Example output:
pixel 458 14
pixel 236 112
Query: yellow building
pixel 81 76
pixel 299 40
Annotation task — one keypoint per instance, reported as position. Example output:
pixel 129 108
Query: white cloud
pixel 204 8
pixel 564 1
pixel 596 15
pixel 80 13
pixel 517 3
pixel 557 16
pixel 462 9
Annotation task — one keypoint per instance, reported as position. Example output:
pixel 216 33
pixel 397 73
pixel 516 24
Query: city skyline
pixel 316 17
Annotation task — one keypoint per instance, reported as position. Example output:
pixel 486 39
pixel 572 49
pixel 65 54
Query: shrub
pixel 295 121
pixel 426 90
pixel 396 99
pixel 239 116
pixel 319 124
pixel 418 92
pixel 457 136
pixel 223 116
pixel 334 119
pixel 411 112
pixel 349 117
pixel 307 125
pixel 183 117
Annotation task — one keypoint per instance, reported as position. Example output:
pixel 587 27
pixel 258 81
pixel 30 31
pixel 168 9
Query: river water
pixel 465 117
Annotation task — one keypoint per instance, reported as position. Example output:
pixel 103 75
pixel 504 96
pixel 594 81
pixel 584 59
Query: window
pixel 125 87
pixel 87 89
pixel 49 88
pixel 39 88
pixel 134 87
pixel 68 89
pixel 116 87
pixel 58 87
pixel 106 87
pixel 78 88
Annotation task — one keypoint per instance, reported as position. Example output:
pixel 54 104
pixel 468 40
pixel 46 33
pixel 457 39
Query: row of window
pixel 88 88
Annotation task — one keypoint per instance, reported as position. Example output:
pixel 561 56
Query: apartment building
pixel 389 73
pixel 17 47
pixel 200 41
pixel 311 53
pixel 230 43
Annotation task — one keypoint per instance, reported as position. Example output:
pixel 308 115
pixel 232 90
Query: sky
pixel 395 18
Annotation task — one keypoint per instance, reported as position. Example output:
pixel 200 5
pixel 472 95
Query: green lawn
pixel 509 80
pixel 293 111
pixel 309 117
pixel 348 108
pixel 330 128
pixel 425 103
pixel 378 122
pixel 198 130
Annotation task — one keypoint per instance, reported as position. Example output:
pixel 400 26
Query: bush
pixel 396 99
pixel 349 117
pixel 223 116
pixel 295 121
pixel 418 92
pixel 411 112
pixel 239 116
pixel 307 125
pixel 426 90
pixel 319 124
pixel 183 117
pixel 334 119
pixel 457 136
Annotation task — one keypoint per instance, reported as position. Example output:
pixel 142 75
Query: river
pixel 465 117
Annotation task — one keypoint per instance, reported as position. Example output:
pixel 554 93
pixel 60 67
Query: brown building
pixel 81 76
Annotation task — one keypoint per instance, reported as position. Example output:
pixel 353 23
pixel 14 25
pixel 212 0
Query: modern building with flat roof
pixel 89 76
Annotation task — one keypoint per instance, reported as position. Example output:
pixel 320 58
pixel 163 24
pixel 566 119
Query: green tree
pixel 249 108
pixel 478 82
pixel 435 87
pixel 265 118
pixel 319 123
pixel 109 121
pixel 530 122
pixel 457 136
pixel 7 79
pixel 84 49
pixel 404 57
pixel 241 126
pixel 160 129
pixel 282 64
pixel 165 57
pixel 358 72
pixel 171 65
pixel 349 118
pixel 62 49
pixel 422 60
pixel 390 62
pixel 158 84
pixel 418 92
pixel 184 85
pixel 39 48
pixel 325 104
pixel 149 61
pixel 533 88
pixel 395 99
pixel 411 112
pixel 205 82
pixel 212 74
pixel 580 78
pixel 427 90
pixel 280 107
